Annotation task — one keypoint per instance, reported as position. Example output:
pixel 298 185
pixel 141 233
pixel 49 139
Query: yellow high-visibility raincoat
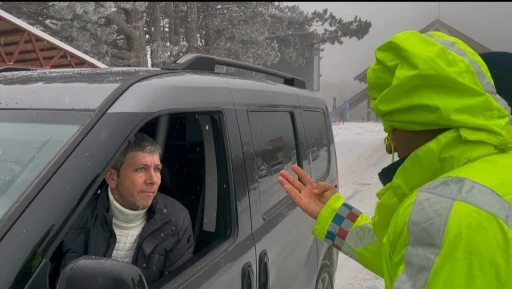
pixel 445 219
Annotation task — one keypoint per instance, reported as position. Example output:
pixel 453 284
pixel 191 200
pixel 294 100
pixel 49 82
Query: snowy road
pixel 361 155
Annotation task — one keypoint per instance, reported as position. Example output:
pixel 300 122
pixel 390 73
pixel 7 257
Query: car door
pixel 270 121
pixel 322 154
pixel 233 262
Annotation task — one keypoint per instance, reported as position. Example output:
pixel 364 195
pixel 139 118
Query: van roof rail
pixel 207 63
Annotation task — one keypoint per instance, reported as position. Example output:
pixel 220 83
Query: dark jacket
pixel 165 242
pixel 387 174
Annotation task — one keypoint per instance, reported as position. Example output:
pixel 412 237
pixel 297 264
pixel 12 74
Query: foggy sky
pixel 486 22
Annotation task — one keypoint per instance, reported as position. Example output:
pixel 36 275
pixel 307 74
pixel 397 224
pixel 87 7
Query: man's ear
pixel 111 178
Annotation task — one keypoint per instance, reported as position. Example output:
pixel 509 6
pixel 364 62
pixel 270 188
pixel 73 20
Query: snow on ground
pixel 361 155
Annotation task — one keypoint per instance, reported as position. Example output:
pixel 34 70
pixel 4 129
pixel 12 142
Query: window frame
pixel 194 266
pixel 285 200
pixel 326 174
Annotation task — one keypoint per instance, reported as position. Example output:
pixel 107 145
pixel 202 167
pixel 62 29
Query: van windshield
pixel 26 148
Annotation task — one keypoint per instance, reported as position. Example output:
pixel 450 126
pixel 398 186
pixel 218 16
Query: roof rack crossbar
pixel 207 63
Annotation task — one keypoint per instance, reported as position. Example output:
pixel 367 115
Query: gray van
pixel 60 131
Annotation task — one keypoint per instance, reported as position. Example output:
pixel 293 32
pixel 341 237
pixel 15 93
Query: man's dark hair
pixel 138 143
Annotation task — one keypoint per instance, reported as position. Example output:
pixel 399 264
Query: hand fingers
pixel 291 180
pixel 303 176
pixel 322 187
pixel 290 190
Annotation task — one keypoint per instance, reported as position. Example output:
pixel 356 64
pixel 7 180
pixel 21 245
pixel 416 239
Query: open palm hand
pixel 308 195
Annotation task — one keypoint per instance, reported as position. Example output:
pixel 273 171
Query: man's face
pixel 136 183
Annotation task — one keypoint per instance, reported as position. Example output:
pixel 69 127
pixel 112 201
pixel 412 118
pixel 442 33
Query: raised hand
pixel 324 191
pixel 310 196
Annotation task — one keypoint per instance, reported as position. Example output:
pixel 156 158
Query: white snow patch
pixel 361 155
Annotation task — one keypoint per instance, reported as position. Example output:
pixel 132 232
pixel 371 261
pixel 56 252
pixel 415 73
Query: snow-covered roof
pixel 28 32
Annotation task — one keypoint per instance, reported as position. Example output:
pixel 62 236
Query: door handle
pixel 263 274
pixel 247 276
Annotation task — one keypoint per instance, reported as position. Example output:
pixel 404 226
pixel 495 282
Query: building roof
pixel 22 45
pixel 438 25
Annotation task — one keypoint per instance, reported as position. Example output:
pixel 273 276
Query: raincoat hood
pixel 435 81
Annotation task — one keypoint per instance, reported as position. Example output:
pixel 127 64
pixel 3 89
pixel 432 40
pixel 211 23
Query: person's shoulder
pixel 89 213
pixel 170 205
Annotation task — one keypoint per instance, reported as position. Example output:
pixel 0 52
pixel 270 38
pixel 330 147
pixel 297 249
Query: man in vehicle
pixel 130 221
pixel 443 217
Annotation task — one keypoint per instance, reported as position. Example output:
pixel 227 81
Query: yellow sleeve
pixel 351 232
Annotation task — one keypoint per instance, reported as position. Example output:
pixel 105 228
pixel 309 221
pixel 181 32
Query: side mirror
pixel 90 272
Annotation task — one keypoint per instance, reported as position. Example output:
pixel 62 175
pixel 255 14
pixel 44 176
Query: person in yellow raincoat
pixel 444 216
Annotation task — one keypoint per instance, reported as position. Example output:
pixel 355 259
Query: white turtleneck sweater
pixel 127 226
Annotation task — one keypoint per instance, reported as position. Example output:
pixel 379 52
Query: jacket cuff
pixel 326 215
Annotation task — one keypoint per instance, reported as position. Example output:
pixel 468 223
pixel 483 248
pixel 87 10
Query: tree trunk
pixel 191 30
pixel 206 35
pixel 137 43
pixel 155 32
pixel 171 25
pixel 209 34
pixel 133 31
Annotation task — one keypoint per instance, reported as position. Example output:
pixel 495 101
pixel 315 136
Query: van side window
pixel 275 149
pixel 318 145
